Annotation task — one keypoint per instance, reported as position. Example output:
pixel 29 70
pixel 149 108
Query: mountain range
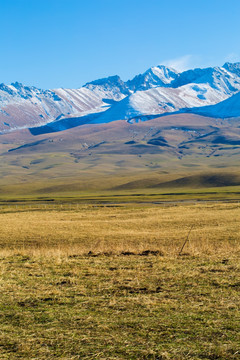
pixel 162 129
pixel 160 90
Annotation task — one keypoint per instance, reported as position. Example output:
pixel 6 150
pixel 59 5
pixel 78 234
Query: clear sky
pixel 65 43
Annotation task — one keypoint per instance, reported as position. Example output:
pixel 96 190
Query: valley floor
pixel 107 281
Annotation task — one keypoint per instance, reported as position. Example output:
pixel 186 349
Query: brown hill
pixel 173 151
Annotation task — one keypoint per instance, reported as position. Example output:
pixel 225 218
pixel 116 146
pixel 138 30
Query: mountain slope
pixel 111 87
pixel 121 154
pixel 225 109
pixel 233 68
pixel 155 76
pixel 218 78
pixel 162 100
pixel 22 106
pixel 159 90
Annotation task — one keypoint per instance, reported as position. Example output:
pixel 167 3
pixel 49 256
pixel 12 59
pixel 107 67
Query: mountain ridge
pixel 159 90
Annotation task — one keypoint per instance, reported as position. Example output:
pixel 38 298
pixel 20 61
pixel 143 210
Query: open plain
pixel 121 241
pixel 109 281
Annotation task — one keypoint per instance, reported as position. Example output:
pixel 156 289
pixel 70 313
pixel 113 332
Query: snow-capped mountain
pixel 232 68
pixel 155 76
pixel 225 109
pixel 163 90
pixel 111 87
pixel 162 100
pixel 219 78
pixel 158 90
pixel 22 106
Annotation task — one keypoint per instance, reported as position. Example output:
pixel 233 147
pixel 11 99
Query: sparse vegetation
pixel 106 281
pixel 118 156
pixel 78 229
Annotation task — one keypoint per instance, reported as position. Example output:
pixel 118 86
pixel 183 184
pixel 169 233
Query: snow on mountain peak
pixel 114 87
pixel 218 78
pixel 233 68
pixel 160 89
pixel 160 75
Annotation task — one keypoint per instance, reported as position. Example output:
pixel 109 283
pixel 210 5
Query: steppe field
pixel 119 243
pixel 120 279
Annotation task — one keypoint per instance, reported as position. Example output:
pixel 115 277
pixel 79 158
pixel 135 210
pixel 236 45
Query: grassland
pixel 92 223
pixel 171 154
pixel 104 281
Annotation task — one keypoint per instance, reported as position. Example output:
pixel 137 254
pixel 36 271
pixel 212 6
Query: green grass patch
pixel 119 307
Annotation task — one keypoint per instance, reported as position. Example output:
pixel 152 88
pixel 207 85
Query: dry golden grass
pixel 78 229
pixel 57 302
pixel 119 307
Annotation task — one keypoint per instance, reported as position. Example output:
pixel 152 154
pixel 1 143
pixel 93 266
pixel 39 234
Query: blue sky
pixel 65 43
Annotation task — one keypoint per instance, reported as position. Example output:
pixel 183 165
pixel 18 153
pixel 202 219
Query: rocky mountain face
pixel 153 77
pixel 233 68
pixel 159 90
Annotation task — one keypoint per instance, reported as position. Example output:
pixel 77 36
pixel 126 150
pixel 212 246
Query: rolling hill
pixel 174 151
